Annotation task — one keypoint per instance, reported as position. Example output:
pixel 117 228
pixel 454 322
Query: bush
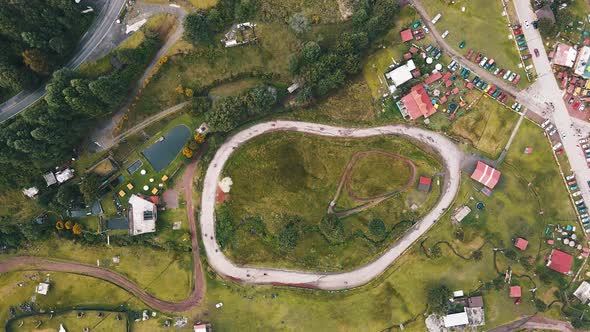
pixel 224 227
pixel 377 228
pixel 540 305
pixel 435 251
pixel 332 228
pixel 438 299
pixel 289 235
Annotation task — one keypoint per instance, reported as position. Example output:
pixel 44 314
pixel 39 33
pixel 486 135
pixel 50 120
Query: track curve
pixel 445 148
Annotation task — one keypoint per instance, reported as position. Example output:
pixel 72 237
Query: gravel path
pixel 447 150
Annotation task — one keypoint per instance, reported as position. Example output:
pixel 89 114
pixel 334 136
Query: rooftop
pixel 582 67
pixel 560 262
pixel 416 104
pixel 142 216
pixel 457 319
pixel 406 35
pixel 515 291
pixel 565 55
pixel 401 74
pixel 521 243
pixel 583 292
pixel 486 175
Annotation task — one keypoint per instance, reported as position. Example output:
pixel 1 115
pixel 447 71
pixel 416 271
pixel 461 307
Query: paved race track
pixel 451 157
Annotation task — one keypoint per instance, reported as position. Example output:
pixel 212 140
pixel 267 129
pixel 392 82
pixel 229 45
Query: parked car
pixel 475 80
pixel 571 100
pixel 512 77
pixel 426 31
pixel 574 187
pixel 497 93
pixel 526 24
pixel 581 108
pixel 527 56
pixel 503 98
pixel 502 71
pixel 536 50
pixel 519 37
pixel 523 48
pixel 521 42
pixel 584 215
pixel 445 34
pixel 583 141
pixel 462 44
pixel 544 124
pixel 553 132
pixel 518 32
pixel 496 71
pixel 428 48
pixel 478 57
pixel 483 61
pixel 570 177
pixel 516 79
pixel 484 85
pixel 515 26
pixel 584 210
pixel 518 107
pixel 536 24
pixel 577 194
pixel 451 64
pixel 549 127
pixel 586 146
pixel 557 146
pixel 469 55
pixel 506 75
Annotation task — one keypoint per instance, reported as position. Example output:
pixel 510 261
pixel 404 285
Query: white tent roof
pixel 64 175
pixel 401 74
pixel 456 319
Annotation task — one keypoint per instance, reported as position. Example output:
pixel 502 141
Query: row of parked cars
pixel 519 37
pixel 581 207
pixel 491 66
pixel 549 128
pixel 490 89
pixel 433 52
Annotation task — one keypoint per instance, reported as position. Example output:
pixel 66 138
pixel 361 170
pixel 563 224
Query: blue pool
pixel 165 149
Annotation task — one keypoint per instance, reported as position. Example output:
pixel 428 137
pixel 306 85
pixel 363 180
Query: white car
pixel 445 34
pixel 507 74
pixel 570 177
pixel 425 28
pixel 219 305
pixel 543 125
pixel 553 132
pixel 585 215
pixel 581 108
pixel 512 77
pixel 549 127
pixel 526 24
pixel 557 146
pixel 496 71
pixel 483 61
pixel 577 194
pixel 583 140
pixel 585 146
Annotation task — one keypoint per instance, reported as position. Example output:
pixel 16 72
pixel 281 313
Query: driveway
pixel 90 41
pixel 447 150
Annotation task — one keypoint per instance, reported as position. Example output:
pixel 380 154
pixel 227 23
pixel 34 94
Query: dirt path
pixel 24 263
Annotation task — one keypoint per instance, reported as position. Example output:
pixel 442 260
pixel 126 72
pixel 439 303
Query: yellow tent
pixel 121 193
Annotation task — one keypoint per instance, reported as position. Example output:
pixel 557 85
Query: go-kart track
pixel 451 157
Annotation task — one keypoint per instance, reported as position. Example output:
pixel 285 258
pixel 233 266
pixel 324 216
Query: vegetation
pixel 280 219
pixel 30 51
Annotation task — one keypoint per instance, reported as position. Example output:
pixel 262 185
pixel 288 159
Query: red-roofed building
pixel 565 55
pixel 447 75
pixel 515 291
pixel 414 50
pixel 455 91
pixel 416 104
pixel 521 243
pixel 408 56
pixel 406 35
pixel 470 85
pixel 486 175
pixel 433 78
pixel 424 184
pixel 560 262
pixel 443 99
pixel 448 83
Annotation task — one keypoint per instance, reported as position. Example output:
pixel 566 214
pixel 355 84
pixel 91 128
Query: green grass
pixel 234 88
pixel 72 323
pixel 377 174
pixel 203 4
pixel 203 68
pixel 66 291
pixel 318 11
pixel 95 69
pixel 483 28
pixel 292 179
pixel 487 126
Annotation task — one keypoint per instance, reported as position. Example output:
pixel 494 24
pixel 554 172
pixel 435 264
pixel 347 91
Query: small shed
pixel 406 35
pixel 408 56
pixel 461 213
pixel 475 302
pixel 424 184
pixel 42 288
pixel 515 292
pixel 521 243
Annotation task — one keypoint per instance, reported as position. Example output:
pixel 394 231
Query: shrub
pixel 224 226
pixel 377 228
pixel 332 228
pixel 438 299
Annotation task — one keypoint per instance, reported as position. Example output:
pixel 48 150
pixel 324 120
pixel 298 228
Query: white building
pixel 65 175
pixel 461 213
pixel 142 216
pixel 400 75
pixel 50 179
pixel 42 288
pixel 565 55
pixel 582 67
pixel 583 292
pixel 31 192
pixel 459 319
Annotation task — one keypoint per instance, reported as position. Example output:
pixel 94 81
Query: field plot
pixel 482 26
pixel 487 126
pixel 297 177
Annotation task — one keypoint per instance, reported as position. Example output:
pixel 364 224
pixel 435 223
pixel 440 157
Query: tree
pixel 477 255
pixel 188 153
pixel 196 27
pixel 225 114
pixel 37 61
pixel 200 105
pixel 546 27
pixel 59 225
pixel 90 187
pixel 377 228
pixel 435 251
pixel 289 235
pixel 299 23
pixel 438 299
pixel 332 228
pixel 67 194
pixel 510 254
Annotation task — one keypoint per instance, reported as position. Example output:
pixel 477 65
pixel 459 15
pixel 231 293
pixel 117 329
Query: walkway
pixel 447 150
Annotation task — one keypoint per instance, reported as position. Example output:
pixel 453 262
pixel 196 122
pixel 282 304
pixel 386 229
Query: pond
pixel 166 148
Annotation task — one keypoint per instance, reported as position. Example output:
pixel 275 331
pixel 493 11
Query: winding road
pixel 90 41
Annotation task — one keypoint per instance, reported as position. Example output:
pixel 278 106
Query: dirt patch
pixel 345 9
pixel 221 197
pixel 103 167
pixel 170 197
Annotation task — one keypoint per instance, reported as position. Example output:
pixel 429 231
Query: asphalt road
pixel 96 33
pixel 447 150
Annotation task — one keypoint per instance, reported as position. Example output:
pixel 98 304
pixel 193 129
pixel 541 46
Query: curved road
pixel 91 39
pixel 447 150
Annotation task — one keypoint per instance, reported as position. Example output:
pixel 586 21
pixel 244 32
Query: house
pixel 424 184
pixel 475 302
pixel 406 35
pixel 416 104
pixel 142 216
pixel 202 328
pixel 565 55
pixel 521 243
pixel 461 213
pixel 458 319
pixel 583 292
pixel 64 175
pixel 433 78
pixel 240 34
pixel 31 192
pixel 42 288
pixel 515 292
pixel 50 179
pixel 486 175
pixel 560 262
pixel 582 67
pixel 407 56
pixel 399 75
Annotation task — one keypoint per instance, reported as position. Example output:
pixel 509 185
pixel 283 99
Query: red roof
pixel 433 78
pixel 486 175
pixel 560 262
pixel 447 76
pixel 417 103
pixel 515 291
pixel 408 56
pixel 470 85
pixel 425 180
pixel 413 50
pixel 407 35
pixel 521 243
pixel 443 99
pixel 448 83
pixel 455 91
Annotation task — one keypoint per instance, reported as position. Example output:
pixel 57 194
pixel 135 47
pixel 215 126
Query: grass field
pixel 292 180
pixel 377 174
pixel 318 11
pixel 71 322
pixel 483 28
pixel 487 126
